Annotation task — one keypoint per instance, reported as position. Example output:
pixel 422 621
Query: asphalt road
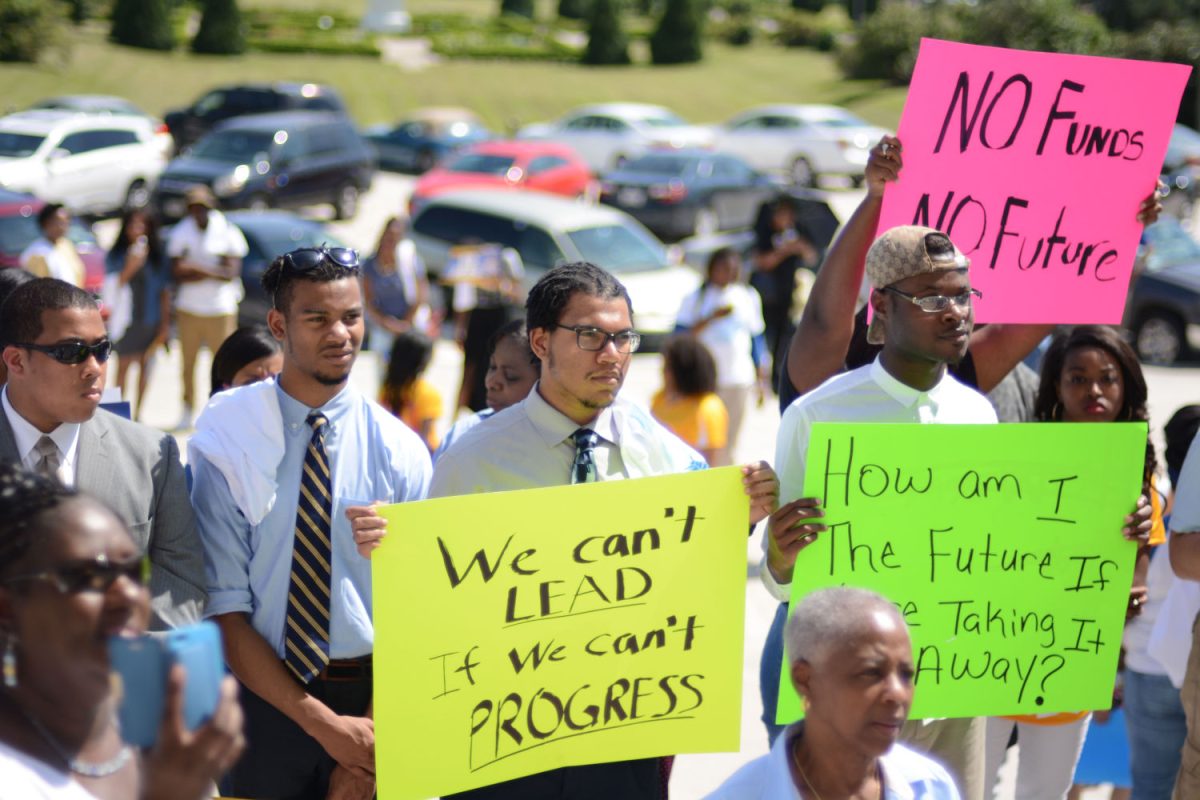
pixel 694 775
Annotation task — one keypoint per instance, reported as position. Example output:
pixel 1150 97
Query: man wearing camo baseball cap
pixel 922 299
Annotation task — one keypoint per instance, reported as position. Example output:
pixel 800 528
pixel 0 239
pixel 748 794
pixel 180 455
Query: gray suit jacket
pixel 135 471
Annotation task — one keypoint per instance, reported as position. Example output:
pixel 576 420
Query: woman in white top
pixel 727 317
pixel 70 578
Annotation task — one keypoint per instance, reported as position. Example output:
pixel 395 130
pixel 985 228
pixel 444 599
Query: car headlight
pixel 231 183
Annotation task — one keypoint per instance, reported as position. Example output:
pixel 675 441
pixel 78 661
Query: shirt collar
pixel 295 414
pixel 906 395
pixel 556 427
pixel 26 436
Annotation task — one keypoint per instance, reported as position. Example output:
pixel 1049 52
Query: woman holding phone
pixel 70 578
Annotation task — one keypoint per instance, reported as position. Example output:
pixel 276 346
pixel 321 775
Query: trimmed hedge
pixel 221 31
pixel 607 44
pixel 677 38
pixel 30 27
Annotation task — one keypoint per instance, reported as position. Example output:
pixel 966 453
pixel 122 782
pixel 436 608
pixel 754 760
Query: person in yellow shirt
pixel 53 254
pixel 406 393
pixel 688 403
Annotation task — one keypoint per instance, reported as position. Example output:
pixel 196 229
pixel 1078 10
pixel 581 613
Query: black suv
pixel 287 159
pixel 189 124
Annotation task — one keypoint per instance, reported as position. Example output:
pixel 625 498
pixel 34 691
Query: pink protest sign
pixel 1035 164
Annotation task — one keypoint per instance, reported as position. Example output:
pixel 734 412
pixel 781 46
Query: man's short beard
pixel 329 380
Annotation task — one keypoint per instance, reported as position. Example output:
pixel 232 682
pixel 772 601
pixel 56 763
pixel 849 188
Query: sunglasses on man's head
pixel 308 259
pixel 73 352
pixel 90 576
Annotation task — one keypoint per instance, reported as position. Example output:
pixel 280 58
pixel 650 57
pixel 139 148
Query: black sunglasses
pixel 73 352
pixel 91 576
pixel 307 259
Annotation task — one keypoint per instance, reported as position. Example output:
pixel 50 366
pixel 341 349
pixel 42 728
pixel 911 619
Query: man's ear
pixel 802 678
pixel 14 360
pixel 539 342
pixel 277 324
pixel 879 304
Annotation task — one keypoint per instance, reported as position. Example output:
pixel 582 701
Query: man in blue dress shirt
pixel 275 466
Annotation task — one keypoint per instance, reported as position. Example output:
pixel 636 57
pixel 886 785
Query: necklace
pixel 807 782
pixel 88 769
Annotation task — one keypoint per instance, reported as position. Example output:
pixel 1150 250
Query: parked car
pixel 608 135
pixel 18 229
pixel 419 141
pixel 544 166
pixel 90 164
pixel 1181 173
pixel 187 125
pixel 685 192
pixel 545 230
pixel 270 234
pixel 803 142
pixel 1163 310
pixel 107 105
pixel 285 159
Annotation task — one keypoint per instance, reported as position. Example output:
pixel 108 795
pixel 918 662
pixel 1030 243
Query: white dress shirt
pixel 26 436
pixel 205 248
pixel 866 394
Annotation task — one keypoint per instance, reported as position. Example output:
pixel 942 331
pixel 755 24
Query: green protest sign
pixel 1000 544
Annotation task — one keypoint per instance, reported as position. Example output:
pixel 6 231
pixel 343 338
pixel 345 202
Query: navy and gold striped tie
pixel 583 470
pixel 306 632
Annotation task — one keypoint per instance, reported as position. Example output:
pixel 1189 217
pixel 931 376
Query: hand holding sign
pixel 1033 164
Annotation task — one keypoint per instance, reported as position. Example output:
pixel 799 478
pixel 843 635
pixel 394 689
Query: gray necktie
pixel 48 461
pixel 584 468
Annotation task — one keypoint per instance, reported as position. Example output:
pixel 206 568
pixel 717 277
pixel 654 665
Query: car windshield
pixel 620 248
pixel 841 120
pixel 19 145
pixel 659 165
pixel 276 237
pixel 663 121
pixel 234 147
pixel 481 163
pixel 1167 244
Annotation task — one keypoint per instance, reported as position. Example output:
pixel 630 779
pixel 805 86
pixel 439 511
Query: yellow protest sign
pixel 1000 544
pixel 517 632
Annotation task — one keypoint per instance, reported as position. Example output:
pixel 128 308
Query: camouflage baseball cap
pixel 903 252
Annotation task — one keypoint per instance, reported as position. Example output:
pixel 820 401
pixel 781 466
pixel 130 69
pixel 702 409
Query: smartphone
pixel 143 663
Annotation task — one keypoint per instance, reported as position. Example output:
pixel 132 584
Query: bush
pixel 574 9
pixel 220 31
pixel 29 27
pixel 677 39
pixel 490 47
pixel 607 43
pixel 520 8
pixel 821 31
pixel 738 31
pixel 887 42
pixel 143 23
pixel 82 10
pixel 1056 26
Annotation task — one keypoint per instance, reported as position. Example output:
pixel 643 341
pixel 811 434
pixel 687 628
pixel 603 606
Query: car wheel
pixel 425 160
pixel 1159 338
pixel 708 222
pixel 345 204
pixel 136 196
pixel 801 173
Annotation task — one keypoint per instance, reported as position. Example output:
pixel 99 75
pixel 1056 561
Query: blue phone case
pixel 143 664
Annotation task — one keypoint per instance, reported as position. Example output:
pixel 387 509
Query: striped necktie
pixel 48 461
pixel 584 468
pixel 306 632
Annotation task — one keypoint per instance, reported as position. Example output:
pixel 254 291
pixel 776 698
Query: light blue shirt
pixel 372 456
pixel 907 775
pixel 458 429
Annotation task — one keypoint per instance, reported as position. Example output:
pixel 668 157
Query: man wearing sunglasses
pixel 573 428
pixel 56 350
pixel 276 465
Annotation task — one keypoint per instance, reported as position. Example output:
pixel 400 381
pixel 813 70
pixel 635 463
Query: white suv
pixel 88 163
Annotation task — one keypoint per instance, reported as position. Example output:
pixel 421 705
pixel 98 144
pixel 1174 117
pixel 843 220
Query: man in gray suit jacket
pixel 55 348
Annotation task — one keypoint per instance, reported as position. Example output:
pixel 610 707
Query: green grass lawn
pixel 727 81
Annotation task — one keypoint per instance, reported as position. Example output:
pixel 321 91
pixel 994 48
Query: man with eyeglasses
pixel 922 300
pixel 56 350
pixel 276 465
pixel 573 428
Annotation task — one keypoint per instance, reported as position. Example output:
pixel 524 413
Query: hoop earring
pixel 9 663
pixel 1056 411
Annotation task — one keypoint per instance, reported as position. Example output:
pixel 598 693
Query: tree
pixel 808 5
pixel 1133 15
pixel 677 39
pixel 522 8
pixel 607 43
pixel 220 31
pixel 574 9
pixel 29 27
pixel 143 23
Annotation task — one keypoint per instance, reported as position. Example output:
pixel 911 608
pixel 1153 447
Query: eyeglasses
pixel 307 259
pixel 73 352
pixel 91 576
pixel 937 302
pixel 593 339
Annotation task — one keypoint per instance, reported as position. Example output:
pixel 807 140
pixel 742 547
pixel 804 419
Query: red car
pixel 543 166
pixel 18 229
